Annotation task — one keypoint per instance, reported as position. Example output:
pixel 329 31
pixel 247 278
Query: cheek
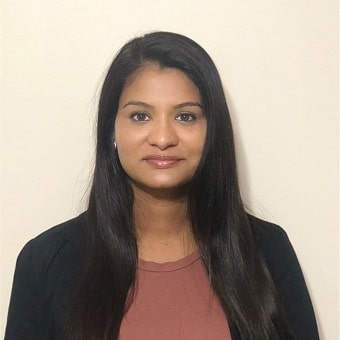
pixel 129 136
pixel 197 141
pixel 128 164
pixel 124 155
pixel 200 145
pixel 120 134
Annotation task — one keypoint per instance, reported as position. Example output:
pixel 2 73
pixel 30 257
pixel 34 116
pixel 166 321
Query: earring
pixel 114 144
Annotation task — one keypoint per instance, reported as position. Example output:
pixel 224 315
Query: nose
pixel 162 134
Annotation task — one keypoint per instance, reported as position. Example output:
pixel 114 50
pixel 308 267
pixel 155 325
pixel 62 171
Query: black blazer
pixel 46 268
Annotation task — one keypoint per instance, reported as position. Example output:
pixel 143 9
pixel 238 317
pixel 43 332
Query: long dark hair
pixel 220 224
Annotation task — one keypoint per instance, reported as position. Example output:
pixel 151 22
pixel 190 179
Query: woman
pixel 166 249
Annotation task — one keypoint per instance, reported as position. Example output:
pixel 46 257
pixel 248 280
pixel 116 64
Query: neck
pixel 163 227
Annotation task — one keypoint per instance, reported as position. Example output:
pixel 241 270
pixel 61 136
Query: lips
pixel 162 161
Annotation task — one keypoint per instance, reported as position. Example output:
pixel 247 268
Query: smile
pixel 161 161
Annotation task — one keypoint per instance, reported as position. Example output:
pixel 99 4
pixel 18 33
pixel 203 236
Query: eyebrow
pixel 137 103
pixel 178 106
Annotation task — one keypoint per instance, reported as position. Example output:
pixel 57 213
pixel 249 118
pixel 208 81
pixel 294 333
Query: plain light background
pixel 279 64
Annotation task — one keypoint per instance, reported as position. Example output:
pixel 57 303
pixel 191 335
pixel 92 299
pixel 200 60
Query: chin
pixel 162 186
pixel 166 186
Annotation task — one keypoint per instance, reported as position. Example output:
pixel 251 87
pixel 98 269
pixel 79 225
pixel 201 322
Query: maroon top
pixel 174 301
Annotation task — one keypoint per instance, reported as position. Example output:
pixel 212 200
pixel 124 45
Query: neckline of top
pixel 169 266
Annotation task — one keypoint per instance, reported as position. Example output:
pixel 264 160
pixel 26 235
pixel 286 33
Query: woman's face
pixel 160 128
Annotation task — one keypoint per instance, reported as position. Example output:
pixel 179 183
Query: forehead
pixel 160 83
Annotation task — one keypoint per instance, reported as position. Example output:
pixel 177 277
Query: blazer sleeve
pixel 287 275
pixel 24 303
pixel 44 282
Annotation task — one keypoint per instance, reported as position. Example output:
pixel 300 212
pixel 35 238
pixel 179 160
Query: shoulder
pixel 57 242
pixel 278 253
pixel 284 268
pixel 43 282
pixel 68 231
pixel 272 241
pixel 265 231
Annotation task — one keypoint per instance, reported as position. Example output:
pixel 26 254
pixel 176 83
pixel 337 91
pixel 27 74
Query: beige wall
pixel 278 61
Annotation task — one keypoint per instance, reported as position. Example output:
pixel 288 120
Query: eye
pixel 140 116
pixel 186 117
